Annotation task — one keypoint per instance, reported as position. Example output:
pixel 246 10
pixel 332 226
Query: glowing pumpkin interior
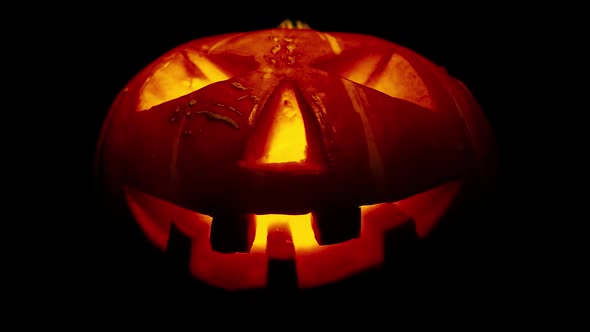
pixel 315 265
pixel 284 139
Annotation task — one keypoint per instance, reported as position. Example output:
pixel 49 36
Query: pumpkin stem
pixel 289 24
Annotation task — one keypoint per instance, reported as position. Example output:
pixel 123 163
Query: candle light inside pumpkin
pixel 286 143
pixel 299 225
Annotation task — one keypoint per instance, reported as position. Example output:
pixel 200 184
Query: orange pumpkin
pixel 294 146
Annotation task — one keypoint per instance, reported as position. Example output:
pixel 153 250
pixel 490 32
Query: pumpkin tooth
pixel 232 232
pixel 336 223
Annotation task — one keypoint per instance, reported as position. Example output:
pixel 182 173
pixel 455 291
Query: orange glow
pixel 287 140
pixel 181 74
pixel 397 79
pixel 361 71
pixel 299 225
pixel 316 265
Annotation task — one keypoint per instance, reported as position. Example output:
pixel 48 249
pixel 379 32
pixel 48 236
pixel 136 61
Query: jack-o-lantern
pixel 293 146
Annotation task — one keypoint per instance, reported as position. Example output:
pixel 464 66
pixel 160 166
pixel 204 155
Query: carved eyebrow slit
pixel 219 117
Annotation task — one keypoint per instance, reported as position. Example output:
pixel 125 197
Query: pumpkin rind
pixel 383 125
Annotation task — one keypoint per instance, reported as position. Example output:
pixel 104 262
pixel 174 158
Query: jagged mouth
pixel 233 251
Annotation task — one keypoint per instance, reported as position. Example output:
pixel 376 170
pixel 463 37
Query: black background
pixel 91 54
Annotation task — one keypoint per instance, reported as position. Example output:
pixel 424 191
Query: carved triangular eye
pixel 380 69
pixel 186 71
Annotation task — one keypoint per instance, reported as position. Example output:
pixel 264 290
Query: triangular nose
pixel 286 135
pixel 286 138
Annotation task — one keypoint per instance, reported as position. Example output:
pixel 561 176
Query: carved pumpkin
pixel 290 145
